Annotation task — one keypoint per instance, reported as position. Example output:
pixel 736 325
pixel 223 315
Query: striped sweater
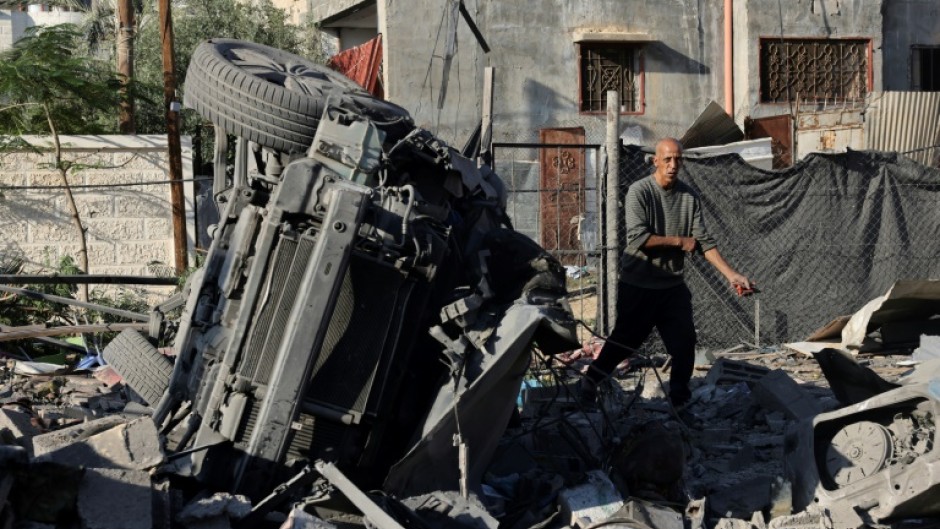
pixel 652 210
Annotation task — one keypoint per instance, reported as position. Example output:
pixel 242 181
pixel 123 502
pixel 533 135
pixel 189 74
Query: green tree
pixel 47 88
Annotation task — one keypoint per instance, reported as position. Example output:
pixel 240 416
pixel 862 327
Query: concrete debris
pixel 216 511
pixel 299 519
pixel 777 391
pixel 650 514
pixel 593 501
pixel 105 443
pixel 115 499
pixel 19 425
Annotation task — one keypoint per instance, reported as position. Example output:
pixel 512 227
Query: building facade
pixel 554 60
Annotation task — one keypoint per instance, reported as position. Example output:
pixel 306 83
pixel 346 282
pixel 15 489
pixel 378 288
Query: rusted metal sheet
pixel 362 64
pixel 905 121
pixel 561 202
pixel 780 130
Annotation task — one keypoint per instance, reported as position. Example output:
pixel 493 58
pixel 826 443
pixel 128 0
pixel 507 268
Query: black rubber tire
pixel 275 98
pixel 142 367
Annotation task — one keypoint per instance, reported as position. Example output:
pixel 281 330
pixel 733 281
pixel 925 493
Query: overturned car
pixel 364 301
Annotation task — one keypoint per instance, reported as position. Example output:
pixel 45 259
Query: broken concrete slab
pixel 109 442
pixel 20 426
pixel 115 499
pixel 776 391
pixel 591 502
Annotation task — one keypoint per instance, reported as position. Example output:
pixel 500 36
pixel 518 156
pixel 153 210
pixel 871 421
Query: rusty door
pixel 780 131
pixel 561 202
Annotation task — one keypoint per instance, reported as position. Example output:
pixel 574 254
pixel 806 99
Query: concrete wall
pixel 128 226
pixel 536 63
pixel 14 23
pixel 754 19
pixel 906 23
pixel 536 60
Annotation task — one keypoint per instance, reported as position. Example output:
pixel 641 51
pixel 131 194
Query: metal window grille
pixel 610 67
pixel 814 70
pixel 925 68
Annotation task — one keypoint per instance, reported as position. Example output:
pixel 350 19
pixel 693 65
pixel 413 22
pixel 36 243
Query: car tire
pixel 140 364
pixel 275 98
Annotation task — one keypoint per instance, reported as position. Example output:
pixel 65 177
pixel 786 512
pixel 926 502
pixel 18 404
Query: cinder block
pixel 115 499
pixel 778 392
pixel 144 252
pixel 591 502
pixel 105 443
pixel 115 229
pixel 725 371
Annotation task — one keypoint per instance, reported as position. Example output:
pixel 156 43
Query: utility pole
pixel 172 108
pixel 125 59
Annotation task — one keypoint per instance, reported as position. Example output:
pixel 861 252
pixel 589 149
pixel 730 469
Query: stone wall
pixel 126 210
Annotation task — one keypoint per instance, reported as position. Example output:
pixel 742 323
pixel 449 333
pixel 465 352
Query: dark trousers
pixel 638 311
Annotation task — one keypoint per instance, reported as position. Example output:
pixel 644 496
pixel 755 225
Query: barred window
pixel 610 66
pixel 925 68
pixel 814 70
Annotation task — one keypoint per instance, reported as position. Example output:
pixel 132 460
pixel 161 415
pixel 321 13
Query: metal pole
pixel 612 210
pixel 486 130
pixel 171 106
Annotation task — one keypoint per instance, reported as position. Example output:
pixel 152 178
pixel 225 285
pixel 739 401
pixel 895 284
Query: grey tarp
pixel 821 238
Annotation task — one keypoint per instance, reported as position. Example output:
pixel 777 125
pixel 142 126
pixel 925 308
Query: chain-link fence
pixel 552 198
pixel 821 238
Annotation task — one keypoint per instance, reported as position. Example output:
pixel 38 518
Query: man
pixel 664 222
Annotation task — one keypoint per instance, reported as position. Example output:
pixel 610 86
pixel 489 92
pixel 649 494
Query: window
pixel 610 66
pixel 814 70
pixel 925 68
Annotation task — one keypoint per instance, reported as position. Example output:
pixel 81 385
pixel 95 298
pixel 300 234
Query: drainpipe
pixel 729 60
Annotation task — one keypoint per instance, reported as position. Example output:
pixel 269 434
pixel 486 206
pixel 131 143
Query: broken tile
pixel 115 499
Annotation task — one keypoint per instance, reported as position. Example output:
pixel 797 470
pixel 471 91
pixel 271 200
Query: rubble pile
pixel 80 453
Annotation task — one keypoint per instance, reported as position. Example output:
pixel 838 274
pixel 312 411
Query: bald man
pixel 664 223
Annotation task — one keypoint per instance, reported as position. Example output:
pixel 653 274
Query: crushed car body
pixel 363 301
pixel 873 461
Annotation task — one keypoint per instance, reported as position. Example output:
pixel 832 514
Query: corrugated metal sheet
pixel 904 121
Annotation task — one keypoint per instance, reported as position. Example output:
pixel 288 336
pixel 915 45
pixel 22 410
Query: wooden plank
pixel 36 331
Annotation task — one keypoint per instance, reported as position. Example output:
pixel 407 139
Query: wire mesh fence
pixel 821 238
pixel 552 198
